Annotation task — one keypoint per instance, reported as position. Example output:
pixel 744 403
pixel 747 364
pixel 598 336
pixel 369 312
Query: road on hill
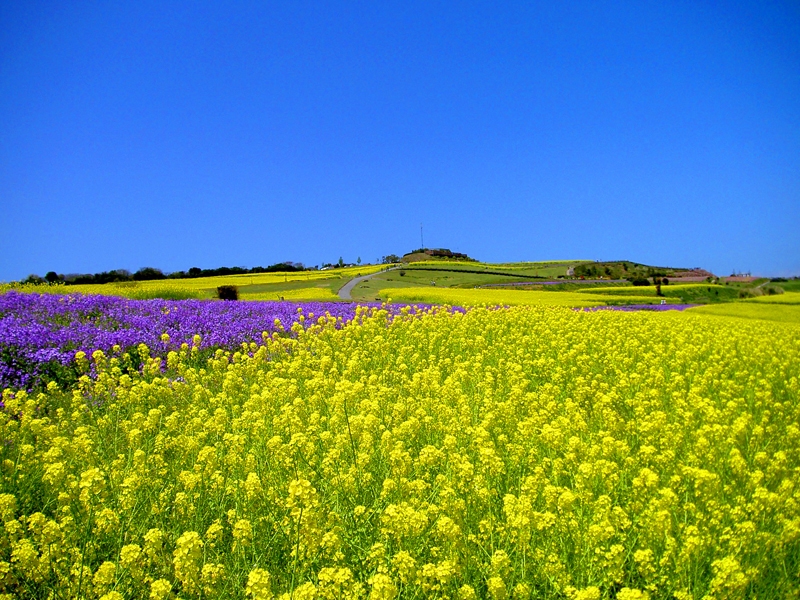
pixel 347 288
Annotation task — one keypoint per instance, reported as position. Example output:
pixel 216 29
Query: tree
pixel 148 273
pixel 359 260
pixel 52 277
pixel 228 292
pixel 657 282
pixel 340 264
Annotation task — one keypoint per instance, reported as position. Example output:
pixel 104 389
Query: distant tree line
pixel 151 273
pixel 441 253
pixel 636 273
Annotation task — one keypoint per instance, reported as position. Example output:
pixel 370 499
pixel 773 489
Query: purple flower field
pixel 40 331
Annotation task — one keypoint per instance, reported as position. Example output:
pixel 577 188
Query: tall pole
pixel 421 241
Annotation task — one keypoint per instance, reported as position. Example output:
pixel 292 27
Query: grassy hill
pixel 463 275
pixel 467 282
pixel 625 269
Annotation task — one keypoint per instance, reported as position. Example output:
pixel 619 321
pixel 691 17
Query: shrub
pixel 750 292
pixel 228 292
pixel 640 281
pixel 773 290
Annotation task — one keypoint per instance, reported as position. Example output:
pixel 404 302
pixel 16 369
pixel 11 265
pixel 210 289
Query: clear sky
pixel 180 134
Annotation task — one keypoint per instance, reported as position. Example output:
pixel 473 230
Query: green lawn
pixel 464 275
pixel 789 286
pixel 509 271
pixel 413 277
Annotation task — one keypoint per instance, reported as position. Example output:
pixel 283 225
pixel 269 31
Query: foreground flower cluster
pixel 519 453
pixel 39 333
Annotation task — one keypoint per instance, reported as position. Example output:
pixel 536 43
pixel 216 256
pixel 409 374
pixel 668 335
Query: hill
pixel 625 269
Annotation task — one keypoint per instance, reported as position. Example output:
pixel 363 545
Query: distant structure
pixel 740 278
pixel 571 272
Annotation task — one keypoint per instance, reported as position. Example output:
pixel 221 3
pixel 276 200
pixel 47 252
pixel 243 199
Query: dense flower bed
pixel 41 333
pixel 512 454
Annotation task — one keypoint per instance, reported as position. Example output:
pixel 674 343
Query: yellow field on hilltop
pixel 206 286
pixel 531 452
pixel 205 283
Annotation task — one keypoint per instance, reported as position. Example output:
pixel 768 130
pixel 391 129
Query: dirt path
pixel 347 288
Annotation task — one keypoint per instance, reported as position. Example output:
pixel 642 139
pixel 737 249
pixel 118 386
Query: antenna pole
pixel 421 241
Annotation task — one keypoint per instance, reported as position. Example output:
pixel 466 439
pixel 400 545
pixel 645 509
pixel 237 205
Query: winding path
pixel 344 291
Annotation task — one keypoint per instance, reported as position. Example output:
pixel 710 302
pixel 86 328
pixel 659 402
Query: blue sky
pixel 180 134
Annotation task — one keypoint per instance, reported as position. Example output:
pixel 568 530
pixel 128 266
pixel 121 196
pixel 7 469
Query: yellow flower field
pixel 531 452
pixel 299 295
pixel 649 290
pixel 505 297
pixel 137 290
pixel 193 288
pixel 747 309
pixel 255 278
pixel 785 298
